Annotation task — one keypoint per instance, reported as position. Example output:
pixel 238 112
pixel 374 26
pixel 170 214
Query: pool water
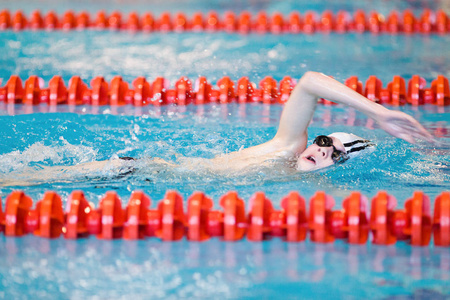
pixel 108 54
pixel 32 139
pixel 177 133
pixel 91 268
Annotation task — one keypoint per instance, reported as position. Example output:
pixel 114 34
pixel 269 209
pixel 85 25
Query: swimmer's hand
pixel 403 126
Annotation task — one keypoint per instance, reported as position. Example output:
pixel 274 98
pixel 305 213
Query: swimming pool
pixel 34 267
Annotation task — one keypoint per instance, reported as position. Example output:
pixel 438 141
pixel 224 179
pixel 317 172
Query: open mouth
pixel 311 159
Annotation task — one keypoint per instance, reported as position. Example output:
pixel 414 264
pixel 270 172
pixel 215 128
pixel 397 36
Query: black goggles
pixel 326 141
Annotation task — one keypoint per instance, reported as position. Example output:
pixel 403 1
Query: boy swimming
pixel 290 142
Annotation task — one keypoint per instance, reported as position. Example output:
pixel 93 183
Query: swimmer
pixel 290 141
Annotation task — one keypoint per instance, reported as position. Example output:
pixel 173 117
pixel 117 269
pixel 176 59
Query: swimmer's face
pixel 316 157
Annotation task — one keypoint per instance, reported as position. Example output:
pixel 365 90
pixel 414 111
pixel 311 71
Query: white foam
pixel 48 155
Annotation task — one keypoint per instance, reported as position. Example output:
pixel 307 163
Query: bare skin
pixel 290 141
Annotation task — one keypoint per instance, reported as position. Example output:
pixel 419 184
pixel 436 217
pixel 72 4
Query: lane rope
pixel 141 92
pixel 197 220
pixel 244 22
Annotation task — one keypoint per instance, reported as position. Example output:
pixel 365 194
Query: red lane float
pixel 320 218
pixel 262 23
pixel 19 21
pixel 229 22
pixel 426 21
pixel 360 22
pixel 77 216
pixel 310 22
pixel 440 88
pixel 244 23
pixel 441 220
pixel 415 95
pixel 136 218
pixel 355 85
pixel 165 23
pixel 13 91
pixel 286 86
pixel 343 20
pixel 51 216
pixel 51 21
pixel 260 211
pixel 295 23
pixel 99 92
pixel 442 22
pixel 114 22
pixel 198 210
pixel 17 209
pixel 197 24
pixel 327 21
pixel 277 24
pixel 148 22
pixel 397 91
pixel 212 22
pixel 419 223
pixel 100 21
pixel 172 217
pixel 226 90
pixel 375 23
pixel 245 90
pixel 268 87
pixel 82 20
pixel 5 20
pixel 169 222
pixel 159 88
pixel 141 92
pixel 112 217
pixel 381 219
pixel 373 89
pixel 34 94
pixel 180 23
pixel 234 221
pixel 183 91
pixel 393 23
pixel 118 92
pixel 133 23
pixel 36 21
pixel 57 91
pixel 356 221
pixel 409 22
pixel 202 91
pixel 78 93
pixel 295 217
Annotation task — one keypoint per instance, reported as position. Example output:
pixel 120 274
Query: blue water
pixel 37 268
pixel 31 267
pixel 92 53
pixel 173 133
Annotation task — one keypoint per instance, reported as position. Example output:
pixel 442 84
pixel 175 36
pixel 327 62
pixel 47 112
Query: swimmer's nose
pixel 322 151
pixel 326 151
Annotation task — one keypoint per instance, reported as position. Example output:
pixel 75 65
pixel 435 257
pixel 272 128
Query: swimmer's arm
pixel 299 110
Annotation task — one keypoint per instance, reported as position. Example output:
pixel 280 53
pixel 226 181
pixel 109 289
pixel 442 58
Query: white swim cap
pixel 353 144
